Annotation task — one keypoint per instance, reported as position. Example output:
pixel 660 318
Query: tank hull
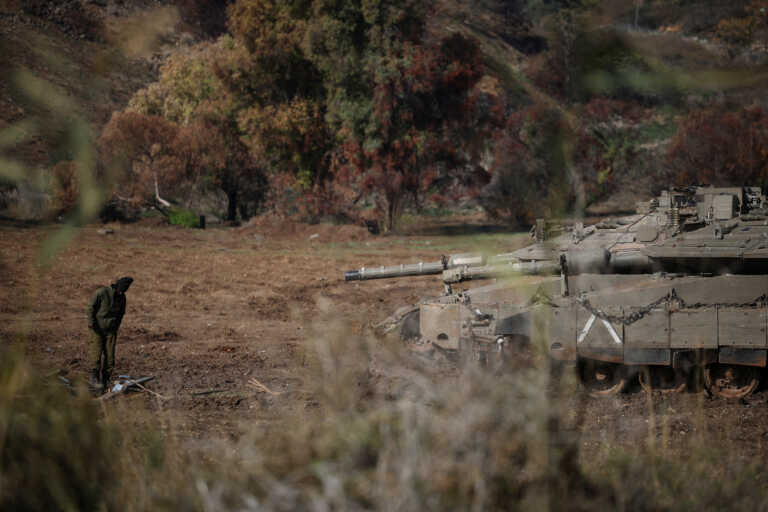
pixel 662 328
pixel 648 323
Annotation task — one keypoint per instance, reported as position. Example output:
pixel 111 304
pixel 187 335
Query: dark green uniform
pixel 105 313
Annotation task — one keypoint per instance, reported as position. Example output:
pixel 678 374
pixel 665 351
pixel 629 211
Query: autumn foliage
pixel 546 162
pixel 602 146
pixel 423 100
pixel 359 109
pixel 528 172
pixel 721 147
pixel 198 94
pixel 142 150
pixel 336 104
pixel 741 30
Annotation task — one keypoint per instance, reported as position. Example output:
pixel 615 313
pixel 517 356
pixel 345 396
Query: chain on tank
pixel 670 298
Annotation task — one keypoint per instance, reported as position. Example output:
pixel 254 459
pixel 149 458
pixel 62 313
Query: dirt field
pixel 212 310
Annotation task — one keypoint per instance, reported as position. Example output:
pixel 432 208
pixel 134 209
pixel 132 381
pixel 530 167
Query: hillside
pixel 85 61
pixel 59 70
pixel 650 66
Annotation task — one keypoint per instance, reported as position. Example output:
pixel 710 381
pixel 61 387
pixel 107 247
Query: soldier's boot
pixel 95 381
pixel 105 374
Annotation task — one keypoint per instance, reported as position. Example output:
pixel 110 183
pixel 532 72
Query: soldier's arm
pixel 122 314
pixel 93 308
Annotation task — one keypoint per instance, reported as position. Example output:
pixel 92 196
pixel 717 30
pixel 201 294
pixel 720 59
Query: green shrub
pixel 184 218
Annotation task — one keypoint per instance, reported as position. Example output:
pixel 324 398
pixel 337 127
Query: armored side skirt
pixel 616 330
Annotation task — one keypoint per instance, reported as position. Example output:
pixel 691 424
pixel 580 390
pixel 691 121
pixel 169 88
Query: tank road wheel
pixel 602 379
pixel 731 380
pixel 662 378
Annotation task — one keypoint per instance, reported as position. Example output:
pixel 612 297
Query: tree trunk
pixel 245 214
pixel 157 195
pixel 231 204
pixel 393 202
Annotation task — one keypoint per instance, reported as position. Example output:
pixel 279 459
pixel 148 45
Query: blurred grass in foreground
pixel 59 451
pixel 389 433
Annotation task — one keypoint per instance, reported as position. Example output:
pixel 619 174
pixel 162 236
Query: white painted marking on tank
pixel 613 332
pixel 586 329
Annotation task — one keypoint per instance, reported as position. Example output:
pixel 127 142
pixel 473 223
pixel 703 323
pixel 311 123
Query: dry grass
pixel 389 433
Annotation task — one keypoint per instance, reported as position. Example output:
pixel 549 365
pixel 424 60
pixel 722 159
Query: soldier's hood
pixel 122 284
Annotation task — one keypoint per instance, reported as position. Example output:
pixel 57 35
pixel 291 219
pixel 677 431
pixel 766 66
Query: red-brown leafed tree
pixel 202 92
pixel 546 161
pixel 141 149
pixel 423 104
pixel 219 158
pixel 720 147
pixel 528 176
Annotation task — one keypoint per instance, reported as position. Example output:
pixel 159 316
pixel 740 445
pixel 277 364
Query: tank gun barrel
pixel 465 267
pixel 460 274
pixel 410 269
pixel 578 262
pixel 468 260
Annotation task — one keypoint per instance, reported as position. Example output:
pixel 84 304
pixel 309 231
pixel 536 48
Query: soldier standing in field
pixel 105 312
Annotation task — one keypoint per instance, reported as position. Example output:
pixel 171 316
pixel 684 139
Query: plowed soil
pixel 225 319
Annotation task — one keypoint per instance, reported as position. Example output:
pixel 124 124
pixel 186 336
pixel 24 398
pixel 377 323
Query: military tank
pixel 676 288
